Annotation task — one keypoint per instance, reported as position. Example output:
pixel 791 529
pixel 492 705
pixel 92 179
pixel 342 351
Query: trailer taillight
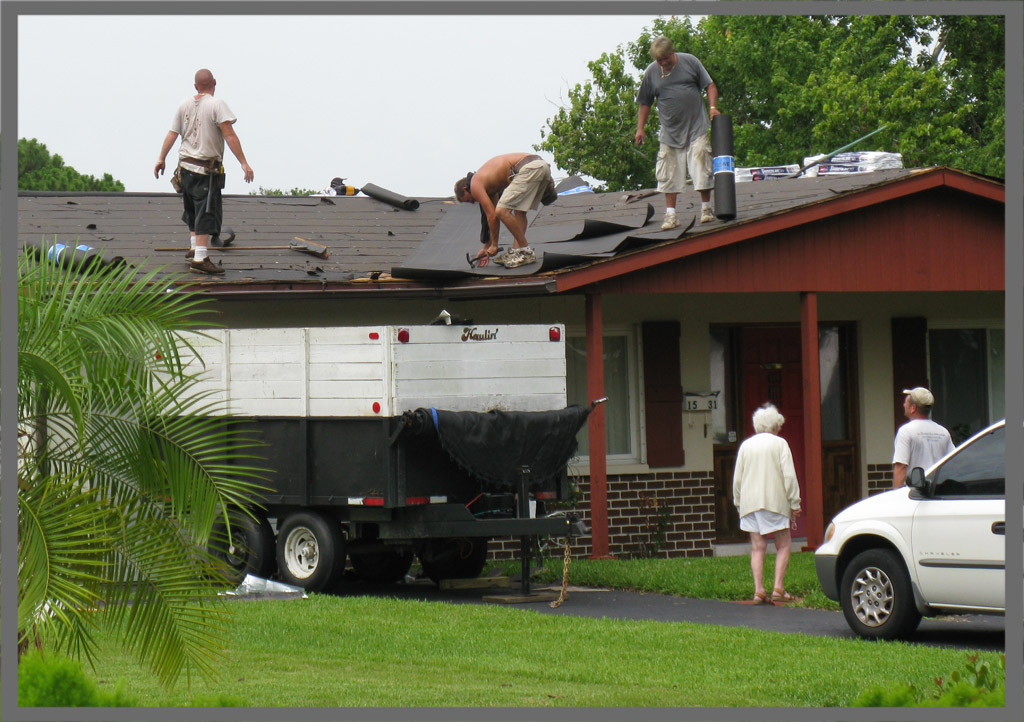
pixel 376 407
pixel 403 335
pixel 374 335
pixel 366 501
pixel 554 334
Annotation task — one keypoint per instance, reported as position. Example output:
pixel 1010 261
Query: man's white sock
pixel 201 252
pixel 192 241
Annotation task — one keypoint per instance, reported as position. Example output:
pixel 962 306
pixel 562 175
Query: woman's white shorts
pixel 764 522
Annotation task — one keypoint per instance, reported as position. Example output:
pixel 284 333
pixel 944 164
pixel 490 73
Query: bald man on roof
pixel 204 124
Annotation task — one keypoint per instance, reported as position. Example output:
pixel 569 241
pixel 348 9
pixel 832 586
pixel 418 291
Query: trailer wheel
pixel 382 567
pixel 453 558
pixel 251 549
pixel 310 550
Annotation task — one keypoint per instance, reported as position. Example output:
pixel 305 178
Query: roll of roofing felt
pixel 390 197
pixel 724 166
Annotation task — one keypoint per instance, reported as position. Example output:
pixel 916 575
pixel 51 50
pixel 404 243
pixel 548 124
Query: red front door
pixel 772 372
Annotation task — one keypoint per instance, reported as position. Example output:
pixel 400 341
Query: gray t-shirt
pixel 680 103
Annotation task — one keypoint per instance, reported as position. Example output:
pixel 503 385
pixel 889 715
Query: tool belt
pixel 209 163
pixel 519 165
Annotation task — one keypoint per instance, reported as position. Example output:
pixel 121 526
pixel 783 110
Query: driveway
pixel 962 632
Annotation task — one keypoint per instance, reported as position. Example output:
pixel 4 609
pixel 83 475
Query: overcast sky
pixel 409 103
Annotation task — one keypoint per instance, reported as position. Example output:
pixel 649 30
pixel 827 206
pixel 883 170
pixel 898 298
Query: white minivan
pixel 935 546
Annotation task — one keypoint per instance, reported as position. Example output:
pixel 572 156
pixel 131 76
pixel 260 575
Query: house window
pixel 967 375
pixel 833 374
pixel 621 386
pixel 723 423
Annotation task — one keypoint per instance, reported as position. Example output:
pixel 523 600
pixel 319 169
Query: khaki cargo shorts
pixel 527 187
pixel 673 163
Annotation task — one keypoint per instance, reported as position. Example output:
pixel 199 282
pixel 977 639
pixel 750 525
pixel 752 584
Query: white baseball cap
pixel 920 396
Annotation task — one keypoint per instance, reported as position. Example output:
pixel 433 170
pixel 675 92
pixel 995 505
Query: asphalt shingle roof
pixel 369 239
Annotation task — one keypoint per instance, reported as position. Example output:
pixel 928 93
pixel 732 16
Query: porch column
pixel 813 501
pixel 595 429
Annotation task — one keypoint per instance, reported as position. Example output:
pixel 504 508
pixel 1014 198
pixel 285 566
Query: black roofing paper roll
pixel 724 166
pixel 390 197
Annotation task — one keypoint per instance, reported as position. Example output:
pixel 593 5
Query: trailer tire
pixel 382 567
pixel 453 557
pixel 251 550
pixel 310 550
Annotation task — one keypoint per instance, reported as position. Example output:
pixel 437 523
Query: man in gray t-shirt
pixel 676 80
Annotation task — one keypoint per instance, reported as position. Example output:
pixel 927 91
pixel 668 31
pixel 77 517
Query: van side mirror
pixel 917 481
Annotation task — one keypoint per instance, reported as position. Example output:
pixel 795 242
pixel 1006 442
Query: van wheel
pixel 382 567
pixel 250 549
pixel 453 558
pixel 877 598
pixel 310 550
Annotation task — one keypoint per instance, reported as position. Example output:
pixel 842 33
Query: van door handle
pixel 999 527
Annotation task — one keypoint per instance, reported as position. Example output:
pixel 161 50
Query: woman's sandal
pixel 782 596
pixel 762 598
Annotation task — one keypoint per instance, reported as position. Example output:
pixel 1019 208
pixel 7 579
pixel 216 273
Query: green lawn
pixel 724 578
pixel 353 652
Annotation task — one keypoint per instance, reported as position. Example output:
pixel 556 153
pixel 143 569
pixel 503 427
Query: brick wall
pixel 879 478
pixel 665 514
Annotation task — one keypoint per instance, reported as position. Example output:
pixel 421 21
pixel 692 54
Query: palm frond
pixel 123 449
pixel 64 541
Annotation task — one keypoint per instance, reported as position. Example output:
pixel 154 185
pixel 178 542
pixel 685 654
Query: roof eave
pixel 406 290
pixel 643 258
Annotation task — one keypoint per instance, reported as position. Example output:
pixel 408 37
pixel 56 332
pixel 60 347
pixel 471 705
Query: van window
pixel 975 470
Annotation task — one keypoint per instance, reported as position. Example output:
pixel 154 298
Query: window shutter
pixel 909 360
pixel 663 394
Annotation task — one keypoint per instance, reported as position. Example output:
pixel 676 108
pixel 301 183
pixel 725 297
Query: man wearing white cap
pixel 920 441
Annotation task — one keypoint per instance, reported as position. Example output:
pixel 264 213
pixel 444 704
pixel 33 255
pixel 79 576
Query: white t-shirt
pixel 921 442
pixel 198 124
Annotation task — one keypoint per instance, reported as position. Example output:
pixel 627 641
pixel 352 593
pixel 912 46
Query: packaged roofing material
pixel 863 161
pixel 765 172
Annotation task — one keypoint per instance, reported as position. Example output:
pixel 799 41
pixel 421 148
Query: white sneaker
pixel 522 257
pixel 505 255
pixel 706 214
pixel 671 221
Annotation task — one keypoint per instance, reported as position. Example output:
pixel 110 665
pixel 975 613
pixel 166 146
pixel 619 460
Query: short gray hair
pixel 662 47
pixel 768 418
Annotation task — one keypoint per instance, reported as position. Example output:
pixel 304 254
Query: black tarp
pixel 494 446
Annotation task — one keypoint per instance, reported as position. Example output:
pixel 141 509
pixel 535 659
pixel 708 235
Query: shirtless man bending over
pixel 506 187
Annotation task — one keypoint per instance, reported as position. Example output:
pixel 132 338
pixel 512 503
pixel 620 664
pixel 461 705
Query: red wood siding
pixel 939 240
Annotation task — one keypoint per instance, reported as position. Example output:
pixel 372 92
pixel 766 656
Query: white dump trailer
pixel 387 442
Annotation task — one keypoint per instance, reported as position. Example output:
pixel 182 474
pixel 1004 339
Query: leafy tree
pixel 40 171
pixel 800 85
pixel 123 468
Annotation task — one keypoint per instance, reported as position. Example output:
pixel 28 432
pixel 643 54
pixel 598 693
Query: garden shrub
pixel 54 681
pixel 977 684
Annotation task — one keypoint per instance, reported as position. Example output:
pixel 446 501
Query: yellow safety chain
pixel 565 578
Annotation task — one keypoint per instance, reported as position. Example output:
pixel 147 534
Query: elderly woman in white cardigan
pixel 765 490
